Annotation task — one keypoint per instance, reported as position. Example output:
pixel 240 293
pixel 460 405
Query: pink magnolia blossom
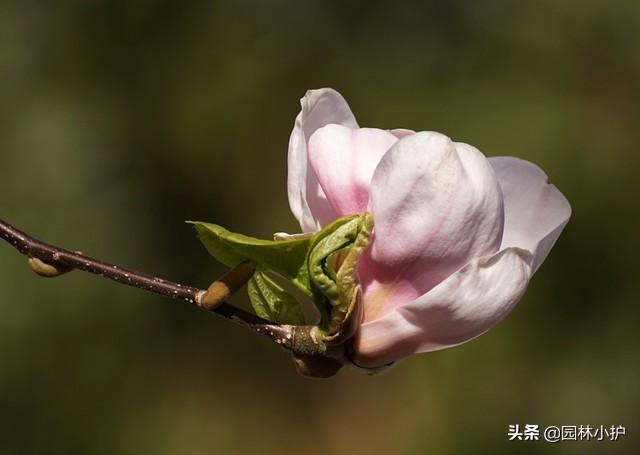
pixel 456 238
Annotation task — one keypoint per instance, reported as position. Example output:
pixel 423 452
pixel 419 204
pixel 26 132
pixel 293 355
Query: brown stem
pixel 49 260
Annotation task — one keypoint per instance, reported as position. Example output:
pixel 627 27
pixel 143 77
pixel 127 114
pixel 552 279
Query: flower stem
pixel 50 261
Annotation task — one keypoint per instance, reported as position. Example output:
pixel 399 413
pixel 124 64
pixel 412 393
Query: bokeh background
pixel 121 119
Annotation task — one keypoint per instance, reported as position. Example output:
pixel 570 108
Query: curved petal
pixel 343 160
pixel 436 205
pixel 401 132
pixel 460 308
pixel 306 199
pixel 535 211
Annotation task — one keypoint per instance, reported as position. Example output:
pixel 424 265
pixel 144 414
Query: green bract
pixel 322 265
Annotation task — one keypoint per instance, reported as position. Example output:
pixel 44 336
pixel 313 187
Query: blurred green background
pixel 121 119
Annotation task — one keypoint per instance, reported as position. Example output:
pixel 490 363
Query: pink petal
pixel 344 160
pixel 535 211
pixel 307 200
pixel 401 132
pixel 436 205
pixel 460 308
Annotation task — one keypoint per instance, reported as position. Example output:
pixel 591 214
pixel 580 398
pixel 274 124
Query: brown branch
pixel 49 260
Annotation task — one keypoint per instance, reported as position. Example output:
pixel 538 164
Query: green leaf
pixel 285 257
pixel 320 269
pixel 308 263
pixel 342 247
pixel 346 313
pixel 270 301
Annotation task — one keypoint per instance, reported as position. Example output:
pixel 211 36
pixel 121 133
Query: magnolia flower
pixel 456 237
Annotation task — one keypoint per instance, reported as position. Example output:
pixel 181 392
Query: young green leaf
pixel 323 266
pixel 320 269
pixel 287 258
pixel 270 301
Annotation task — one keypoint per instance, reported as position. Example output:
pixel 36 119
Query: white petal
pixel 460 308
pixel 436 205
pixel 343 160
pixel 306 199
pixel 535 211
